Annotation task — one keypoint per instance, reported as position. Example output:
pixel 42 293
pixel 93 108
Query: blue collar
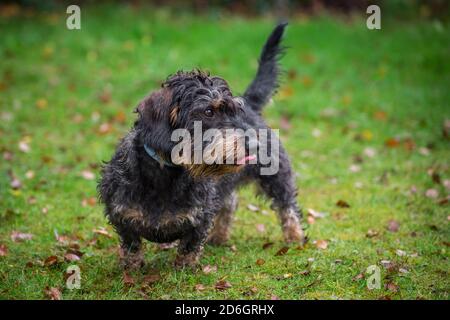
pixel 152 153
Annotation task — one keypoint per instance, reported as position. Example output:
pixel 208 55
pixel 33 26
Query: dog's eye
pixel 209 112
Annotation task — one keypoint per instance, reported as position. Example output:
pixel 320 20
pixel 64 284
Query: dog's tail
pixel 265 83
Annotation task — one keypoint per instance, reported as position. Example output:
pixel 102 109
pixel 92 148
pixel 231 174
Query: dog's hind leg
pixel 281 189
pixel 223 220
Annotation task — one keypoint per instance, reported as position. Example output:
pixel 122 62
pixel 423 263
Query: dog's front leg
pixel 191 246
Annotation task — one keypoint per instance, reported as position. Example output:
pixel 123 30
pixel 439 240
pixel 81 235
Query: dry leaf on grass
pixel 342 204
pixel 393 225
pixel 321 244
pixel 52 293
pixel 222 285
pixel 3 250
pixel 209 269
pixel 282 251
pixel 17 236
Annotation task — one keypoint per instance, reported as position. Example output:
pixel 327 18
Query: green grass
pixel 360 88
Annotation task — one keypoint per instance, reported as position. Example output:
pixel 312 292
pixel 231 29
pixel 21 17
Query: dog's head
pixel 193 103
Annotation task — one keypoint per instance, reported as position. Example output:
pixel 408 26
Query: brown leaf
pixel 151 279
pixel 3 250
pixel 358 277
pixel 392 143
pixel 209 269
pixel 222 285
pixel 105 128
pixel 304 272
pixel 261 227
pixel 88 175
pixel 267 245
pixel 127 280
pixel 274 297
pixel 371 233
pixel 52 293
pixel 260 262
pixel 71 257
pixel 392 287
pixel 393 225
pixel 199 287
pixel 102 231
pixel 342 204
pixel 432 193
pixel 50 261
pixel 285 123
pixel 322 244
pixel 282 251
pixel 17 236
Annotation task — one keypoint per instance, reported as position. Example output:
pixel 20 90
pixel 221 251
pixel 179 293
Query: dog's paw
pixel 188 260
pixel 131 261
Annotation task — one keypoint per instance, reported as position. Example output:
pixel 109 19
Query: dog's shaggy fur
pixel 193 203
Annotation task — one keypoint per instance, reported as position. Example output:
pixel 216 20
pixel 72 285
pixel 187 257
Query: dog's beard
pixel 223 155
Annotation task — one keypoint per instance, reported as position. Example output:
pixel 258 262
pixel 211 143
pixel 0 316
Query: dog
pixel 149 196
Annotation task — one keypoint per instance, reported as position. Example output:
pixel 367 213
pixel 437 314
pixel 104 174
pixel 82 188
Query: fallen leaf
pixel 105 128
pixel 304 272
pixel 52 293
pixel 285 123
pixel 3 250
pixel 151 279
pixel 393 225
pixel 17 236
pixel 261 227
pixel 222 285
pixel 371 233
pixel 209 269
pixel 71 257
pixel 321 244
pixel 274 297
pixel 358 277
pixel 282 251
pixel 24 146
pixel 251 291
pixel 392 143
pixel 51 261
pixel 432 193
pixel 102 231
pixel 260 262
pixel 199 287
pixel 29 174
pixel 15 183
pixel 370 152
pixel 41 103
pixel 315 213
pixel 88 175
pixel 267 245
pixel 400 253
pixel 342 204
pixel 252 207
pixel 392 287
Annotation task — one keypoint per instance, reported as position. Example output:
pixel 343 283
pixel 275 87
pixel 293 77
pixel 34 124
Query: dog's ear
pixel 157 117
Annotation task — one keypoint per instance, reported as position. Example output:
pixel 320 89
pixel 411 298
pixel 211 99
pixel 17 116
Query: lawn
pixel 363 114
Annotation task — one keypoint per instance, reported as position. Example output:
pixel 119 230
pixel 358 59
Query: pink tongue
pixel 247 158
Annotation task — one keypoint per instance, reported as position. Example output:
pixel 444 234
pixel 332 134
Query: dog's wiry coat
pixel 146 199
